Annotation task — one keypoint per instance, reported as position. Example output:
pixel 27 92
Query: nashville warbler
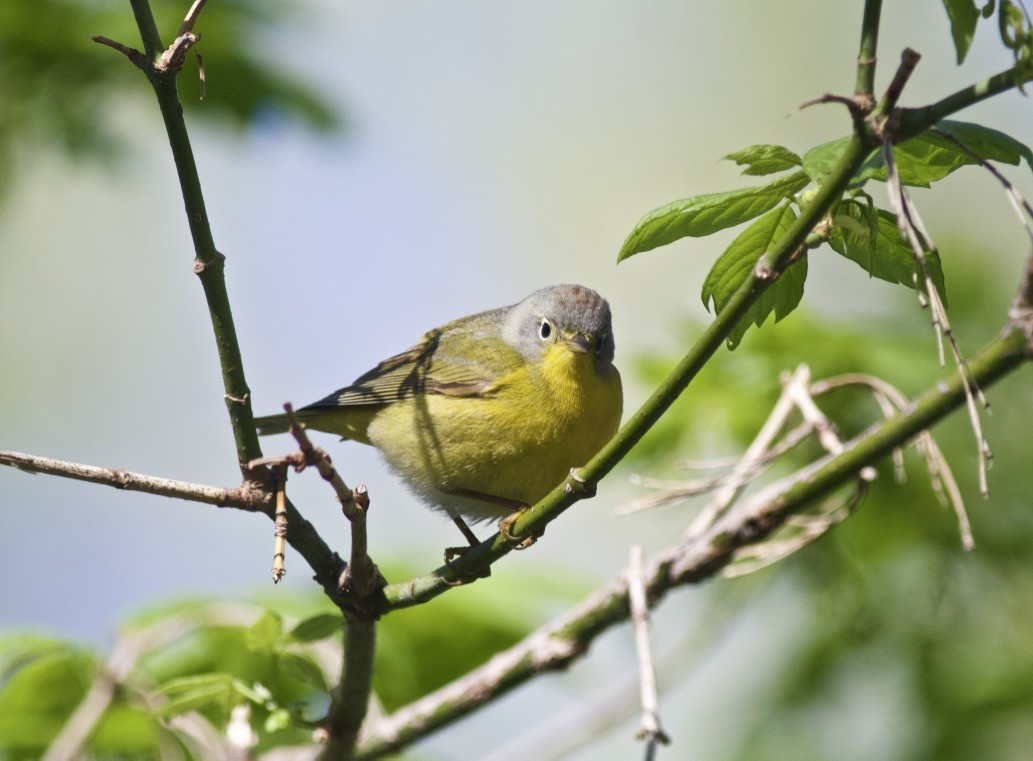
pixel 488 413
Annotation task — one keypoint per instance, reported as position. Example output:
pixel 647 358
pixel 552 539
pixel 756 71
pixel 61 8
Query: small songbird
pixel 487 414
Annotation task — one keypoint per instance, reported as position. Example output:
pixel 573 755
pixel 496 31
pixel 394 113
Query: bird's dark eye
pixel 545 330
pixel 599 343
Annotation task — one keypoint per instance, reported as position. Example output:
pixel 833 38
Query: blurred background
pixel 373 170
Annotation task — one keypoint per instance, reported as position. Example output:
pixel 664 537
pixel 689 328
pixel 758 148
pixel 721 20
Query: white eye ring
pixel 545 330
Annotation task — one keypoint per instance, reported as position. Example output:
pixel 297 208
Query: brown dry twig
pixel 913 230
pixel 651 730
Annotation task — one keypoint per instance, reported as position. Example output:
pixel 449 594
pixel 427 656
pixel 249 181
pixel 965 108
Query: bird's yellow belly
pixel 516 442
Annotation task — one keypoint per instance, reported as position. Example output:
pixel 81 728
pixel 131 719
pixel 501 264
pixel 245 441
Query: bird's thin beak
pixel 578 342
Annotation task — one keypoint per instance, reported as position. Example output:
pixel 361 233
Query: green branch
pixel 351 698
pixel 152 44
pixel 208 262
pixel 915 120
pixel 866 58
pixel 209 266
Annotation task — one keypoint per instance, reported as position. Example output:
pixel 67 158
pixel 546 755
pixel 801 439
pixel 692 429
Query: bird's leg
pixel 454 552
pixel 518 508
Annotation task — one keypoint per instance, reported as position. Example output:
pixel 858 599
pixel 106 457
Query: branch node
pixel 216 261
pixel 172 60
pixel 575 484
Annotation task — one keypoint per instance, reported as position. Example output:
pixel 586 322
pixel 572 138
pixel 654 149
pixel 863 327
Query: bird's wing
pixel 438 364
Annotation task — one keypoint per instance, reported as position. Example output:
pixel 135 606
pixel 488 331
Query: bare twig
pixel 317 456
pixel 753 558
pixel 191 17
pixel 908 61
pixel 247 497
pixel 760 445
pixel 138 59
pixel 356 589
pixel 911 227
pixel 891 400
pixel 674 492
pixel 280 525
pixel 1022 207
pixel 805 528
pixel 651 730
pixel 858 106
pixel 202 80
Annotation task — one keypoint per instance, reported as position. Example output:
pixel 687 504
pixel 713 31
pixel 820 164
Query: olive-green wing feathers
pixel 464 358
pixel 420 370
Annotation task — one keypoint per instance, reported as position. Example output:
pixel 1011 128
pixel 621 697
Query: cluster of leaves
pixel 59 86
pixel 204 673
pixel 1013 25
pixel 200 661
pixel 856 228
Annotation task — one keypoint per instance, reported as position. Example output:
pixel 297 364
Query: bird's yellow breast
pixel 516 441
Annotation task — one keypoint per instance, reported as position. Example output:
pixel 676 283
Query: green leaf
pixel 704 215
pixel 925 158
pixel 870 238
pixel 316 628
pixel 193 693
pixel 302 669
pixel 990 144
pixel 17 650
pixel 734 266
pixel 765 159
pixel 265 634
pixel 821 159
pixel 963 16
pixel 38 699
pixel 125 732
pixel 277 720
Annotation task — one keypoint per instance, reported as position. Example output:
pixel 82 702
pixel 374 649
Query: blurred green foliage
pixel 60 88
pixel 200 660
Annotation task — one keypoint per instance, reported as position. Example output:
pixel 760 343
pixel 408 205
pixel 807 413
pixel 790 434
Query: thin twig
pixel 891 400
pixel 1023 209
pixel 247 497
pixel 908 61
pixel 191 17
pixel 806 528
pixel 317 456
pixel 280 525
pixel 911 227
pixel 757 450
pixel 651 730
pixel 753 558
pixel 138 59
pixel 854 105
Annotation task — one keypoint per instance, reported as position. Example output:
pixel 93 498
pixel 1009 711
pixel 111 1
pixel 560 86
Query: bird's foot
pixel 468 577
pixel 516 542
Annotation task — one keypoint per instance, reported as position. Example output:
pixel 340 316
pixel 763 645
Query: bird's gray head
pixel 571 313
